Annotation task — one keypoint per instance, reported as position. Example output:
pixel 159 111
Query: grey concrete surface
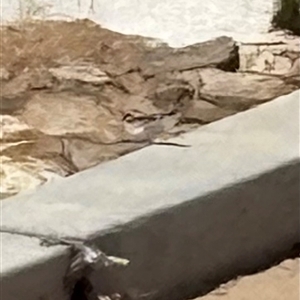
pixel 223 153
pixel 186 250
pixel 29 271
pixel 226 205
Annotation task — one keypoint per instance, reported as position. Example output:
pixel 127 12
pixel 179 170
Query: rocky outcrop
pixel 85 95
pixel 239 91
pixel 275 53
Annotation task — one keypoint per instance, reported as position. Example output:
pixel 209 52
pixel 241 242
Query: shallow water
pixel 178 22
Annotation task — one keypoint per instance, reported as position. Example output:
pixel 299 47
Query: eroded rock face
pixel 275 53
pixel 14 130
pixel 239 91
pixel 28 158
pixel 203 112
pixel 88 95
pixel 220 53
pixel 84 74
pixel 17 176
pixel 66 114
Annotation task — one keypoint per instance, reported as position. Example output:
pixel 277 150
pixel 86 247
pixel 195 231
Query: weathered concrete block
pixel 30 271
pixel 226 205
pixel 195 246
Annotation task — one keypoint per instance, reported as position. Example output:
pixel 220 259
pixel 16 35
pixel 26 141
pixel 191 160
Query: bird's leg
pixel 91 9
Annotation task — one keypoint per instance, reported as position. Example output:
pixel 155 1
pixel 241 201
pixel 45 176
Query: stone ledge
pixel 188 249
pixel 224 206
pixel 29 271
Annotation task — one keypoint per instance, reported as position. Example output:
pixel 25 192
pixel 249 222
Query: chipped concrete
pixel 30 271
pixel 195 213
pixel 157 177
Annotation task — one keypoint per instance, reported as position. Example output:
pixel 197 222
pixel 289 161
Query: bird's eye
pixel 127 117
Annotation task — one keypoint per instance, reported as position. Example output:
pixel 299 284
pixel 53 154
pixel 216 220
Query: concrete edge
pixel 189 249
pixel 31 271
pixel 233 229
pixel 164 249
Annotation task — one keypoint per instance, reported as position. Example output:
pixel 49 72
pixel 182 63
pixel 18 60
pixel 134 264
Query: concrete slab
pixel 187 250
pixel 30 271
pixel 226 205
pixel 222 154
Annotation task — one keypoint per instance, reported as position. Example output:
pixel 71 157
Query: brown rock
pixel 66 114
pixel 199 111
pixel 17 85
pixel 12 105
pixel 82 73
pixel 14 93
pixel 27 80
pixel 13 129
pixel 44 153
pixel 85 154
pixel 86 94
pixel 169 96
pixel 43 147
pixel 221 53
pixel 271 53
pixel 132 82
pixel 294 71
pixel 239 91
pixel 282 64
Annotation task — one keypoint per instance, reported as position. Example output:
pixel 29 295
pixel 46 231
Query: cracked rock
pixel 239 91
pixel 203 112
pixel 87 74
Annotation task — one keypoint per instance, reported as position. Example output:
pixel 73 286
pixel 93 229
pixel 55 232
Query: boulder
pixel 67 114
pixel 239 91
pixel 86 94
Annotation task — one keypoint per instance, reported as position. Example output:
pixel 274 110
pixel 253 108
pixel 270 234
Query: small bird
pixel 143 127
